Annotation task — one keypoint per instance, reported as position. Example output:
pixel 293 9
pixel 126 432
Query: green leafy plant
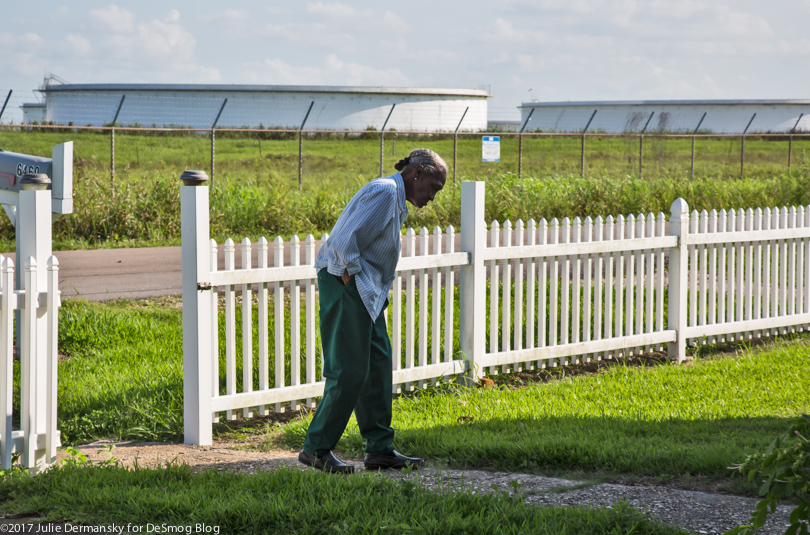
pixel 785 471
pixel 16 468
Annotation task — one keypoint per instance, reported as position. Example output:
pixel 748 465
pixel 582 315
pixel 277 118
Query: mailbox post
pixel 34 240
pixel 59 169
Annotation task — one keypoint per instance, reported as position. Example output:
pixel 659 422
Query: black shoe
pixel 391 460
pixel 327 463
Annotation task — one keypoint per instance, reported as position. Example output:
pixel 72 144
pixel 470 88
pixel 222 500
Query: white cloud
pixel 680 10
pixel 26 40
pixel 165 39
pixel 359 74
pixel 564 49
pixel 398 46
pixel 277 72
pixel 313 35
pixel 503 32
pixel 113 18
pixel 802 46
pixel 229 15
pixel 368 18
pixel 742 24
pixel 503 58
pixel 79 45
pixel 122 48
pixel 334 10
pixel 525 61
pixel 393 20
pixel 138 42
pixel 20 55
pixel 60 13
pixel 332 71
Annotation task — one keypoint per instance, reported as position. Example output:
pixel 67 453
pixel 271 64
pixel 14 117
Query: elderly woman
pixel 356 267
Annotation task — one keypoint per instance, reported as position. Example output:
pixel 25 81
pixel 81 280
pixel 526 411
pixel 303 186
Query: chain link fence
pixel 317 158
pixel 296 145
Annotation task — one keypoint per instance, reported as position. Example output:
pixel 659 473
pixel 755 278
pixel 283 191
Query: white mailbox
pixel 59 168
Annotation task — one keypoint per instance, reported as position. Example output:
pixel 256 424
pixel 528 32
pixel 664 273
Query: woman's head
pixel 424 174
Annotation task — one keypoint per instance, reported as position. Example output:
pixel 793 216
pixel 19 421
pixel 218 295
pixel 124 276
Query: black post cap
pixel 35 182
pixel 193 178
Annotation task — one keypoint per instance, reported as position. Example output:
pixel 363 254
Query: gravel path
pixel 700 512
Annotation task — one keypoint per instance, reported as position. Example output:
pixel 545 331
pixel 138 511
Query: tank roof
pixel 473 93
pixel 763 102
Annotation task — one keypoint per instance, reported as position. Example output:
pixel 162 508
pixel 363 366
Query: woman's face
pixel 425 187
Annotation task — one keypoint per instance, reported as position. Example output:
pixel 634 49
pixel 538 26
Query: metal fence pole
pixel 213 139
pixel 213 155
pixel 692 172
pixel 301 147
pixel 112 156
pixel 742 148
pixel 382 137
pixel 641 143
pixel 520 143
pixel 790 139
pixel 455 142
pixel 112 140
pixel 5 103
pixel 582 152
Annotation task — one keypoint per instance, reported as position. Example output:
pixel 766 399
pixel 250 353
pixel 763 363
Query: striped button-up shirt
pixel 366 240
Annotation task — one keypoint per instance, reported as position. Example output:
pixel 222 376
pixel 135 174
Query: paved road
pixel 103 274
pixel 137 273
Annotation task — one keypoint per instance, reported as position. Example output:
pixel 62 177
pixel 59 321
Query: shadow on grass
pixel 557 445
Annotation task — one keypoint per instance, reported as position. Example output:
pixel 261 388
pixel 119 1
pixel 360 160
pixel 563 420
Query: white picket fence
pixel 559 292
pixel 33 297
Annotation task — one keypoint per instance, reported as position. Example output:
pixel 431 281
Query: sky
pixel 518 50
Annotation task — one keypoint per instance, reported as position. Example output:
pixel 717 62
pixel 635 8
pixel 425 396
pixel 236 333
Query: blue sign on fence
pixel 491 148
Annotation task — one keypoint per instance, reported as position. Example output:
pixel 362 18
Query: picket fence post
pixel 678 278
pixel 197 309
pixel 7 364
pixel 472 286
pixel 34 239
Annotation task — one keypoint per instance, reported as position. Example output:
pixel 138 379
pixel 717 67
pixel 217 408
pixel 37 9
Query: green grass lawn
pixel 665 421
pixel 121 377
pixel 272 157
pixel 292 502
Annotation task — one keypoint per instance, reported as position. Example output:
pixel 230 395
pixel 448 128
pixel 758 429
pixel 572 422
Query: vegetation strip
pixel 294 502
pixel 147 212
pixel 122 378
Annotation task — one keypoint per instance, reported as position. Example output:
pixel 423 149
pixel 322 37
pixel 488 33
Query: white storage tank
pixel 266 106
pixel 672 116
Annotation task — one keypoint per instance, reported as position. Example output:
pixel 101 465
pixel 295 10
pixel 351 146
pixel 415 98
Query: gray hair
pixel 432 162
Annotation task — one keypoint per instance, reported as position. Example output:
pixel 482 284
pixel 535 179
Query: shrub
pixel 784 469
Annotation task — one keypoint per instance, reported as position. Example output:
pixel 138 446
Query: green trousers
pixel 357 368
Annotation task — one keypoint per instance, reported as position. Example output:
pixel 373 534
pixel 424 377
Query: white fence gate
pixel 36 297
pixel 558 292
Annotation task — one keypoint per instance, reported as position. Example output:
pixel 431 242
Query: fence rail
pixel 559 292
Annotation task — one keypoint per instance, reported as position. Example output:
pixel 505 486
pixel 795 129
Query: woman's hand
pixel 346 277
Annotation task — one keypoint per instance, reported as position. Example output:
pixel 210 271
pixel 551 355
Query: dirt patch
pixel 702 512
